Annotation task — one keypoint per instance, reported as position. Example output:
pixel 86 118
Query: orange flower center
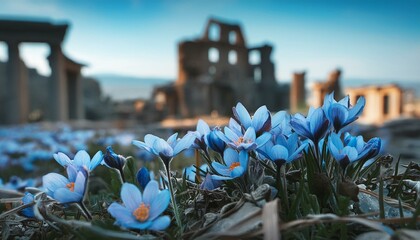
pixel 234 165
pixel 240 140
pixel 142 212
pixel 70 186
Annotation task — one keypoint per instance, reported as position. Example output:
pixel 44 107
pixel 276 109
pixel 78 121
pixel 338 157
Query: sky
pixel 368 39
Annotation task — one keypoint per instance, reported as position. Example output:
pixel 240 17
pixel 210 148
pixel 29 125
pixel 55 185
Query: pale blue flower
pixel 67 190
pixel 313 127
pixel 260 121
pixel 142 211
pixel 168 149
pixel 29 211
pixel 342 113
pixel 247 141
pixel 235 165
pixel 81 159
pixel 284 150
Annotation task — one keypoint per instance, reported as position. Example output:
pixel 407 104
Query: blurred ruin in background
pixel 215 71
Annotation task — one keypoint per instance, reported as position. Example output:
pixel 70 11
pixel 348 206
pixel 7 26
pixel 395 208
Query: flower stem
pixel 121 171
pixel 172 194
pixel 85 211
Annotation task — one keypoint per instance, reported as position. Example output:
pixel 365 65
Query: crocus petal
pixel 163 148
pixel 62 159
pixel 261 116
pixel 217 177
pixel 334 151
pixel 231 135
pixel 316 124
pixel 230 156
pixel 242 115
pixel 71 173
pixel 122 215
pixel 250 134
pixel 160 223
pixel 82 158
pixel 235 127
pixel 52 181
pixel 279 152
pixel 338 115
pixel 297 153
pixel 345 101
pixel 243 159
pixel 64 195
pixel 150 192
pixel 138 225
pixel 336 141
pixel 300 125
pixel 292 143
pixel 263 139
pixel 143 177
pixel 172 139
pixel 350 152
pixel 221 169
pixel 184 143
pixel 159 204
pixel 357 109
pixel 237 172
pixel 131 196
pixel 80 183
pixel 222 137
pixel 143 145
pixel 150 139
pixel 203 127
pixel 96 160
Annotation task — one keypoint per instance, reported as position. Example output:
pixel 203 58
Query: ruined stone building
pixel 62 93
pixel 383 103
pixel 321 89
pixel 218 70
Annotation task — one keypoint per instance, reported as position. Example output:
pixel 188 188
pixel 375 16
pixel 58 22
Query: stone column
pixel 59 108
pixel 17 85
pixel 297 92
pixel 75 95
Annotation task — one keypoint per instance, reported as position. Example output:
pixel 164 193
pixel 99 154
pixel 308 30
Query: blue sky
pixel 368 39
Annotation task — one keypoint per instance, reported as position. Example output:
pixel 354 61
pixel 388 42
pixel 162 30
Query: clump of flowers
pixel 309 162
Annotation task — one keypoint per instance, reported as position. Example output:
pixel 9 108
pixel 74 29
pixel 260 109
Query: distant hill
pixel 120 87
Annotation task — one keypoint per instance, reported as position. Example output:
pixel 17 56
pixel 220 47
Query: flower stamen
pixel 142 212
pixel 70 186
pixel 234 165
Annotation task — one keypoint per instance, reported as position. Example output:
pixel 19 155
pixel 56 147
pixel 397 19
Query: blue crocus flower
pixel 29 211
pixel 342 113
pixel 261 121
pixel 365 150
pixel 113 160
pixel 16 183
pixel 247 141
pixel 313 127
pixel 285 150
pixel 214 142
pixel 341 153
pixel 142 211
pixel 236 165
pixel 67 190
pixel 143 177
pixel 81 159
pixel 166 150
pixel 201 133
